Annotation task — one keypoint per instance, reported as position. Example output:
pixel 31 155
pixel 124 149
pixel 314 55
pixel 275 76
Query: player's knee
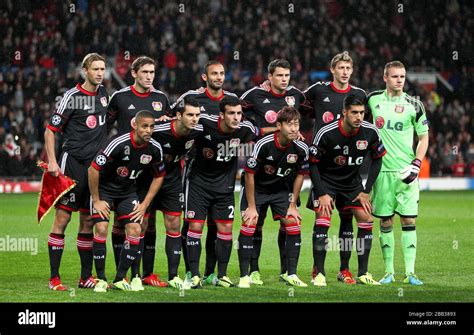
pixel 101 229
pixel 322 222
pixel 86 224
pixel 133 229
pixel 386 222
pixel 61 219
pixel 407 221
pixel 172 223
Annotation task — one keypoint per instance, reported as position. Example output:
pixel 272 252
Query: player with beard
pixel 208 99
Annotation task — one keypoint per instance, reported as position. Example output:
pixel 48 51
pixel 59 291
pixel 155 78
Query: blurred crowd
pixel 44 42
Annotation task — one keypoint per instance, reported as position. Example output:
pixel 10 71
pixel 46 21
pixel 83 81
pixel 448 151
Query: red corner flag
pixel 52 189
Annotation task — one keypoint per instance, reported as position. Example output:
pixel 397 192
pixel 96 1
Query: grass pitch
pixel 444 261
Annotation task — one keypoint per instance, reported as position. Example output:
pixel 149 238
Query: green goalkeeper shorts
pixel 392 196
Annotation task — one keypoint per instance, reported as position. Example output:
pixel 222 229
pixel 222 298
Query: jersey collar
pixel 338 90
pixel 79 87
pixel 343 132
pixel 277 144
pixel 134 144
pixel 138 94
pixel 219 98
pixel 278 95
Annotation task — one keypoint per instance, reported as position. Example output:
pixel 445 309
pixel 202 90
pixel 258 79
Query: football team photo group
pixel 221 151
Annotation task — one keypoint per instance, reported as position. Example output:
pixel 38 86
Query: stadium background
pixel 44 42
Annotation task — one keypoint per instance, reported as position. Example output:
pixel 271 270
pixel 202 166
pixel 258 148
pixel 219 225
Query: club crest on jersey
pixel 291 158
pixel 122 171
pixel 234 142
pixel 340 160
pixel 290 101
pixel 379 122
pixel 208 153
pixel 189 144
pixel 328 117
pixel 271 116
pixel 399 108
pixel 103 101
pixel 157 105
pixel 361 145
pixel 145 159
pixel 190 214
pixel 269 169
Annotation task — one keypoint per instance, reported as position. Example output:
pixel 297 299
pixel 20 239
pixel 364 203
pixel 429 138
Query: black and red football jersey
pixel 122 161
pixel 127 102
pixel 275 165
pixel 339 155
pixel 81 118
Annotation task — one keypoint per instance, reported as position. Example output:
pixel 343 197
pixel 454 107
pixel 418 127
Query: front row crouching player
pixel 112 183
pixel 276 158
pixel 336 155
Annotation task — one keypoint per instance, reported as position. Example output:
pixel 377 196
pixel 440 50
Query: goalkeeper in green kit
pixel 398 116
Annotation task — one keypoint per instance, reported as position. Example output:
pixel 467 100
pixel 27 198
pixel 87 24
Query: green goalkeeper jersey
pixel 397 118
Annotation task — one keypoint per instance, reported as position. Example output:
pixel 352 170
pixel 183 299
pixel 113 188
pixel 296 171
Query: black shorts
pixel 78 197
pixel 278 202
pixel 122 206
pixel 199 203
pixel 342 197
pixel 169 199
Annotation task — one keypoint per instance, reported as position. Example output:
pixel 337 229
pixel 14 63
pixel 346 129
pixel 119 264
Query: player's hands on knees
pixel 250 216
pixel 102 208
pixel 293 212
pixel 138 213
pixel 53 169
pixel 326 205
pixel 364 200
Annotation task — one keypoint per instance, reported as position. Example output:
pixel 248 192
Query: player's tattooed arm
pixel 251 215
pixel 102 207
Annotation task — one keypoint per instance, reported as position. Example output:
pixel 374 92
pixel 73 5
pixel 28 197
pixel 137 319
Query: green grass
pixel 444 261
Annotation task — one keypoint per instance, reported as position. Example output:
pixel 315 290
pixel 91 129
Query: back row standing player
pixel 123 106
pixel 261 105
pixel 326 99
pixel 81 118
pixel 398 116
pixel 208 99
